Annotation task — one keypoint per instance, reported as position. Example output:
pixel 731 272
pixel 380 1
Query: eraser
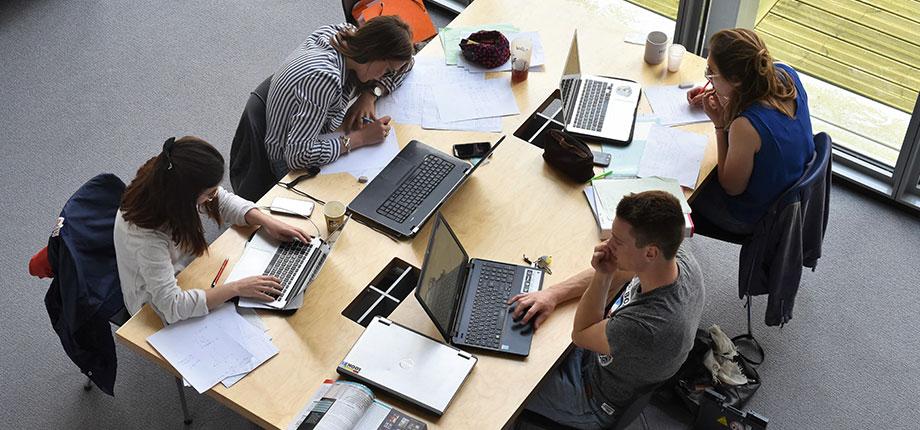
pixel 685 85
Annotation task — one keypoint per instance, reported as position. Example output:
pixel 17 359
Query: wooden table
pixel 512 206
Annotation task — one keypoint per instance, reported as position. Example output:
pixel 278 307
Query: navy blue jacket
pixel 85 291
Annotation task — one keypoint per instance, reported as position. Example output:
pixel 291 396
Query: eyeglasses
pixel 708 74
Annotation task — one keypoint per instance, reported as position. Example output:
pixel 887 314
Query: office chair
pixel 84 297
pixel 529 420
pixel 250 169
pixel 799 193
pixel 347 7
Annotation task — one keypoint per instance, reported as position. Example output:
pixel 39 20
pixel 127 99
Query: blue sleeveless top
pixel 786 146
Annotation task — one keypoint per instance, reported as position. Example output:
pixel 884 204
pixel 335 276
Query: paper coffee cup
pixel 656 45
pixel 334 212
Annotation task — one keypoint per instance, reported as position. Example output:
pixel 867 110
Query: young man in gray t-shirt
pixel 647 333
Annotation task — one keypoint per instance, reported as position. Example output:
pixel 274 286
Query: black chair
pixel 250 169
pixel 347 7
pixel 817 169
pixel 529 420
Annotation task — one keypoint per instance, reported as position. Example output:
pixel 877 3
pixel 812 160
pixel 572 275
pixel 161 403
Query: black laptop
pixel 411 188
pixel 467 299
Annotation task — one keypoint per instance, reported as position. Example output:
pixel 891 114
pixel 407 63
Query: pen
pixel 366 119
pixel 603 175
pixel 219 272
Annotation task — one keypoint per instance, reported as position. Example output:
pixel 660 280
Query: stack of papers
pixel 221 346
pixel 437 96
pixel 673 153
pixel 605 194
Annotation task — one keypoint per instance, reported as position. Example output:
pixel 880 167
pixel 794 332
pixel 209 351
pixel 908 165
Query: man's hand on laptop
pixel 264 288
pixel 535 306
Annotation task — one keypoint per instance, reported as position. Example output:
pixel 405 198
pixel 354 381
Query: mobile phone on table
pixel 601 158
pixel 465 151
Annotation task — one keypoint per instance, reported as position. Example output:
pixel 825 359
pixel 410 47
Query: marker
pixel 219 272
pixel 603 175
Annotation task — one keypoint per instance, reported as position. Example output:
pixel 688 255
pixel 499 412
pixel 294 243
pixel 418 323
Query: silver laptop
pixel 597 107
pixel 297 264
pixel 408 365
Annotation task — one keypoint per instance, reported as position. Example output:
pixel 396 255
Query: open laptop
pixel 408 364
pixel 411 188
pixel 296 263
pixel 597 107
pixel 467 299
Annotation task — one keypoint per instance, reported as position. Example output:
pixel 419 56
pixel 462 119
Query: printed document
pixel 671 107
pixel 673 153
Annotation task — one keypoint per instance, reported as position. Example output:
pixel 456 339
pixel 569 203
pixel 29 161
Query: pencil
pixel 219 272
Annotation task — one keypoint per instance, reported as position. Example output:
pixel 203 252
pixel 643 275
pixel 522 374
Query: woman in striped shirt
pixel 308 96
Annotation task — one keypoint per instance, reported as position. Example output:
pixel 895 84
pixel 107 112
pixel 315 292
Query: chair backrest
pixel 250 168
pixel 633 410
pixel 816 169
pixel 347 7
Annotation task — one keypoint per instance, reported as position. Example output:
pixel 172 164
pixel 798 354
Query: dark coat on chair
pixel 250 169
pixel 788 237
pixel 86 292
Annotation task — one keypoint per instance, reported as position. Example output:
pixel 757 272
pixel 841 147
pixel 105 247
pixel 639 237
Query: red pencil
pixel 219 272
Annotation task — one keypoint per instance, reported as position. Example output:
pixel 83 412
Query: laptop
pixel 411 188
pixel 408 365
pixel 467 299
pixel 296 263
pixel 597 107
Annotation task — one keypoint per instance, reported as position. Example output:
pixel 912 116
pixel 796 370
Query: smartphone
pixel 465 151
pixel 601 158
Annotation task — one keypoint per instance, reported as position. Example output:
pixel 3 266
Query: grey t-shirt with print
pixel 650 335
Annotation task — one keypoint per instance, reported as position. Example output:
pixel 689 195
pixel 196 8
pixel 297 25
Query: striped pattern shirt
pixel 309 96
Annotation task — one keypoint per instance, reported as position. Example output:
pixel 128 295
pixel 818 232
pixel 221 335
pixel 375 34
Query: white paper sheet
pixel 257 343
pixel 472 99
pixel 203 349
pixel 431 120
pixel 365 161
pixel 671 107
pixel 537 56
pixel 673 153
pixel 405 105
pixel 624 160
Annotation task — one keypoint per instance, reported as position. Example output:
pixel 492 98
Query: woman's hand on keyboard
pixel 280 230
pixel 265 288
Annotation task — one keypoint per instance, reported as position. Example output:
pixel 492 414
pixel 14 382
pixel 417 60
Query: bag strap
pixel 758 350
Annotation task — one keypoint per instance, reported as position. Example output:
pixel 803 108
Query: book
pixel 604 195
pixel 343 405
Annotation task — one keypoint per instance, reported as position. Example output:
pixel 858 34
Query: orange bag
pixel 413 12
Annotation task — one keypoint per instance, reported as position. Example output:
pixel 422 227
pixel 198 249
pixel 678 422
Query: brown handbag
pixel 569 155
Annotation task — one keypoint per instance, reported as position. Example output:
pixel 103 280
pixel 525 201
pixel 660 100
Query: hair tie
pixel 167 151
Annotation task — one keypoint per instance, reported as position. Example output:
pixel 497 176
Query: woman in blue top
pixel 763 129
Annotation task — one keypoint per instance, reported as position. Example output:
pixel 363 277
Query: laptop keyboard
pixel 285 263
pixel 489 306
pixel 413 191
pixel 593 106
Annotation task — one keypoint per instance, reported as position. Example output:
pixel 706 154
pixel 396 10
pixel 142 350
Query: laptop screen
pixel 442 274
pixel 571 79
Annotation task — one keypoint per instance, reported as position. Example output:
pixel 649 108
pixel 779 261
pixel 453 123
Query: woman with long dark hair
pixel 310 93
pixel 763 129
pixel 158 231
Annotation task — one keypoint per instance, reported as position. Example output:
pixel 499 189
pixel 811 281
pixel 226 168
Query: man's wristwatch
pixel 346 142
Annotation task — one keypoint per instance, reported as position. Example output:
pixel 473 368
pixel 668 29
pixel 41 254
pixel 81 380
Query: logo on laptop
pixel 406 363
pixel 624 91
pixel 350 367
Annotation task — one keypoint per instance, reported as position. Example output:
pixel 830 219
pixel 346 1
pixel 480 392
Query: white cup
pixel 656 44
pixel 675 56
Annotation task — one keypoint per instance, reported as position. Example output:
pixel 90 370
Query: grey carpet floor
pixel 91 86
